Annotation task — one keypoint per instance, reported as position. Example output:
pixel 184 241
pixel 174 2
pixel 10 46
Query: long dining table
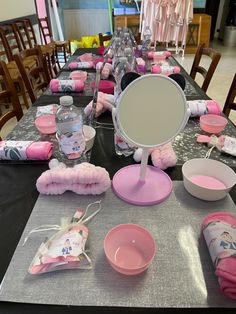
pixel 18 195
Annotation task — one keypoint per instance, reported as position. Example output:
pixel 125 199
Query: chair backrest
pixel 103 38
pixel 30 32
pixel 230 103
pixel 8 92
pixel 10 40
pixel 45 29
pixel 36 78
pixel 4 47
pixel 197 68
pixel 22 32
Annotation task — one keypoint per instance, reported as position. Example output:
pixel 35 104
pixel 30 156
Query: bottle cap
pixel 66 100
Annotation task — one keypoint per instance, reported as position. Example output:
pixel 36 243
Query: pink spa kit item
pixel 212 123
pixel 79 75
pixel 25 150
pixel 81 65
pixel 104 86
pixel 106 70
pixel 129 248
pixel 202 107
pixel 66 248
pixel 159 55
pixel 219 230
pixel 162 157
pixel 61 86
pixel 223 143
pixel 104 102
pixel 86 57
pixel 83 178
pixel 165 69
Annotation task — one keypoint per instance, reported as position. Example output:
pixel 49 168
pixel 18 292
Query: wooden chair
pixel 25 31
pixel 36 78
pixel 230 103
pixel 63 46
pixel 103 38
pixel 8 92
pixel 196 68
pixel 9 45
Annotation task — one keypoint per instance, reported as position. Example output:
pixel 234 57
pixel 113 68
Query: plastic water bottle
pixel 69 123
pixel 128 53
pixel 146 43
pixel 121 68
pixel 118 51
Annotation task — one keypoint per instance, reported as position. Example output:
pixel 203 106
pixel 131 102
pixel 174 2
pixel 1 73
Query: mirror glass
pixel 151 111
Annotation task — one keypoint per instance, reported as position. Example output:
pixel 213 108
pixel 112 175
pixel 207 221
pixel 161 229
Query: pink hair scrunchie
pixel 162 157
pixel 83 178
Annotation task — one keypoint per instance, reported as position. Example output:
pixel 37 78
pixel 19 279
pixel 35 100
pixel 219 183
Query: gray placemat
pixel 181 274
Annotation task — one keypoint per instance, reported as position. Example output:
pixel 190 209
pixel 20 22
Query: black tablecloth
pixel 18 195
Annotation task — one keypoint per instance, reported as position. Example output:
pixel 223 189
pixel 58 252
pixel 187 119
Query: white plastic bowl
pixel 216 171
pixel 89 134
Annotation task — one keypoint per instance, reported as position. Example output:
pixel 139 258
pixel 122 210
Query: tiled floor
pixel 219 85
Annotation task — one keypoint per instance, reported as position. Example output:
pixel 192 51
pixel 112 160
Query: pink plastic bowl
pixel 104 86
pixel 129 248
pixel 212 123
pixel 46 124
pixel 79 75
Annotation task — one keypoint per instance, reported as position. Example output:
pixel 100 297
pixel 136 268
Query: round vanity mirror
pixel 150 112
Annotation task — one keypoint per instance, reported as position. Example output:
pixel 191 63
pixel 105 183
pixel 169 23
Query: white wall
pixel 11 9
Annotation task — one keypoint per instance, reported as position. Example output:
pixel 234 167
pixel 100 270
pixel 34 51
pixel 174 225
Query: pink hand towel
pixel 164 69
pixel 105 102
pixel 58 86
pixel 201 107
pixel 83 178
pixel 219 230
pixel 86 57
pixel 160 55
pixel 106 71
pixel 25 150
pixel 81 65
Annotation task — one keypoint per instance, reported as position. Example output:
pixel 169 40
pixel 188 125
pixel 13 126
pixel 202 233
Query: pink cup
pixel 104 86
pixel 129 248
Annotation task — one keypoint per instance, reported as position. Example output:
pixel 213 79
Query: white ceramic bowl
pixel 89 134
pixel 219 178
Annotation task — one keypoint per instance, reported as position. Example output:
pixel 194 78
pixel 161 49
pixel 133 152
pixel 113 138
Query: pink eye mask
pixel 83 178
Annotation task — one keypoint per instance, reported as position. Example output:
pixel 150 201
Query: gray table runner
pixel 181 274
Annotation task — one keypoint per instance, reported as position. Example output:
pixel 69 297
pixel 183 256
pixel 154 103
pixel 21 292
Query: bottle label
pixel 197 107
pixel 72 141
pixel 221 240
pixel 229 145
pixel 14 150
pixel 66 86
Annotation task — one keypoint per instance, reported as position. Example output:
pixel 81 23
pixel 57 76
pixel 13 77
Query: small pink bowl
pixel 104 86
pixel 79 75
pixel 46 124
pixel 129 248
pixel 212 123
